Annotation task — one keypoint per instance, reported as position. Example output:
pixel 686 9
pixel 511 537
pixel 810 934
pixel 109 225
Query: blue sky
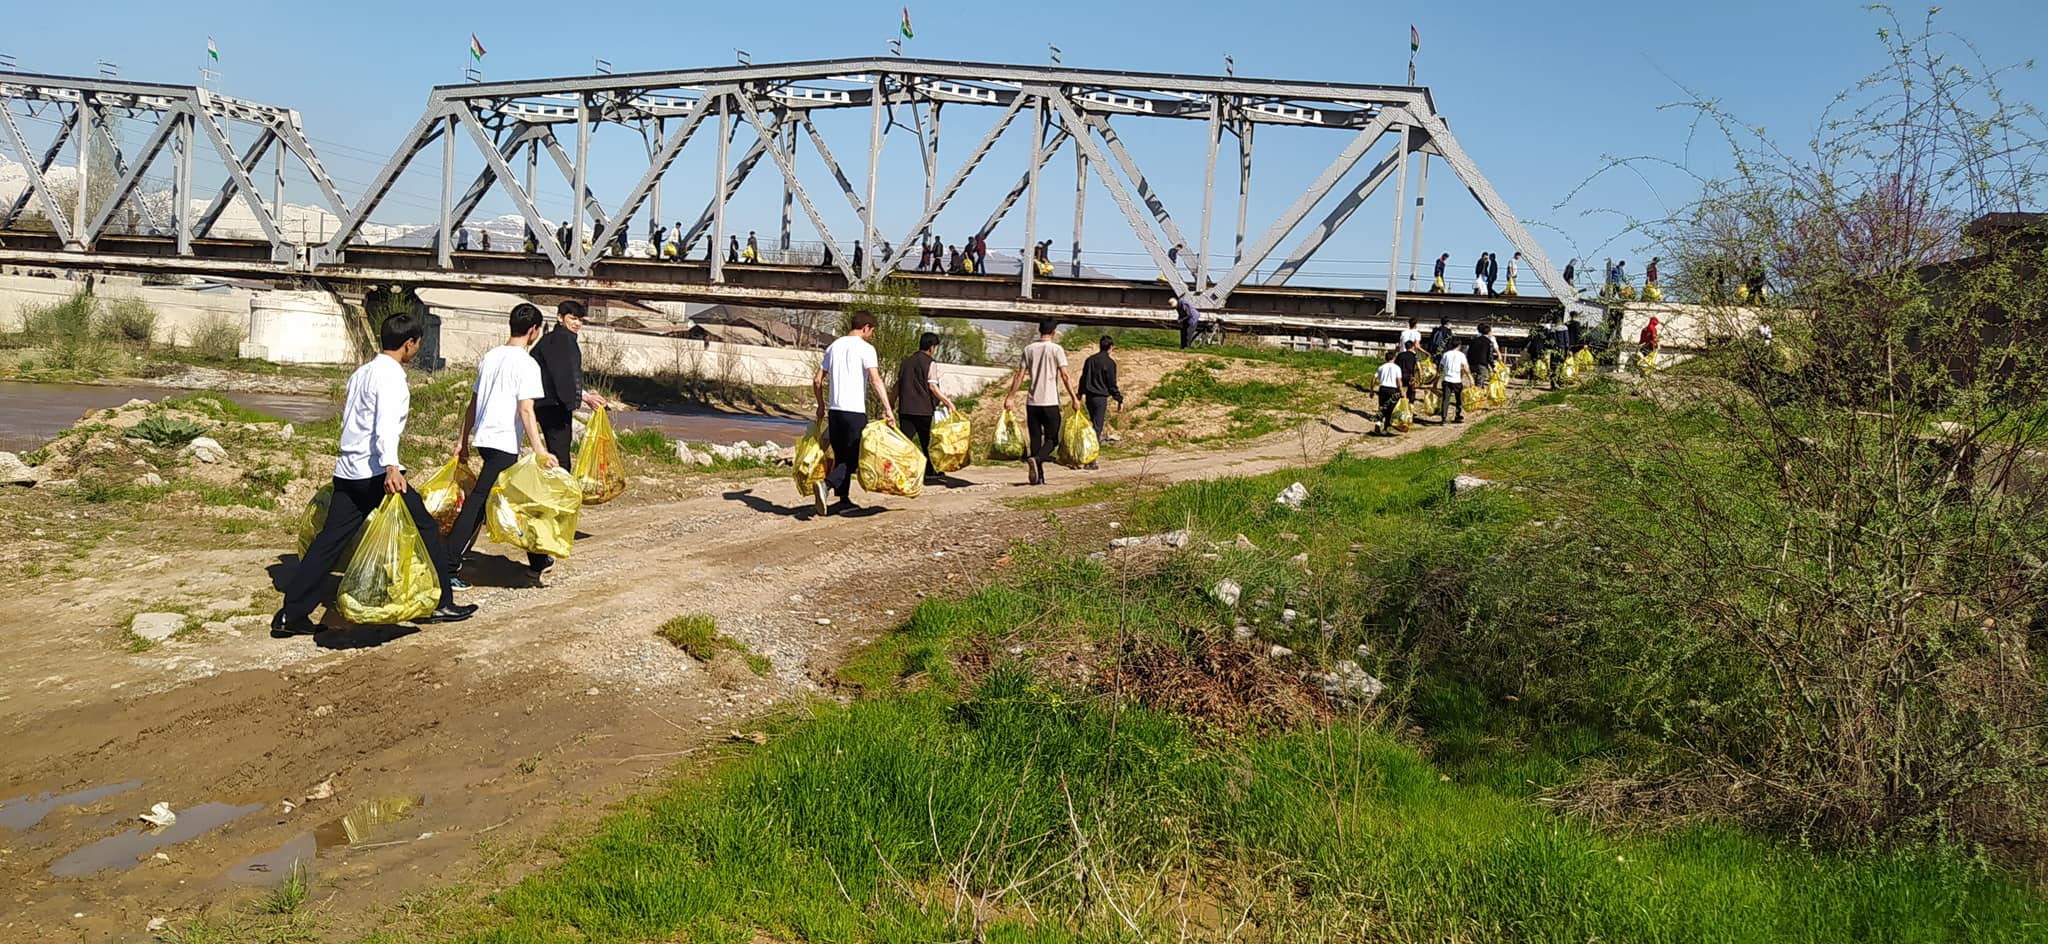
pixel 1539 97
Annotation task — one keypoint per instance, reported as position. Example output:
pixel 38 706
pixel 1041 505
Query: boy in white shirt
pixel 849 368
pixel 1389 377
pixel 500 406
pixel 1455 368
pixel 372 420
pixel 1411 333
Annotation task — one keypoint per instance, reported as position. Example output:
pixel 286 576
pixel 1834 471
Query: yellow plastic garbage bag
pixel 1078 444
pixel 1648 361
pixel 1497 389
pixel 534 509
pixel 444 492
pixel 390 577
pixel 952 443
pixel 1651 293
pixel 812 460
pixel 600 469
pixel 1474 399
pixel 890 463
pixel 1425 372
pixel 1432 403
pixel 1009 442
pixel 314 517
pixel 1539 367
pixel 1404 415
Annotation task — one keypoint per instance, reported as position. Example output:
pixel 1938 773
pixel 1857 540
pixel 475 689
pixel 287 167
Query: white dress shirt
pixel 373 418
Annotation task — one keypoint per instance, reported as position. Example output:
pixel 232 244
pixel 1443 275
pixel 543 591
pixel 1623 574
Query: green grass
pixel 697 634
pixel 870 822
pixel 648 444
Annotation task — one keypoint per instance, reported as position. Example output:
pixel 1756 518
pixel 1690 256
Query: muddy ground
pixel 458 752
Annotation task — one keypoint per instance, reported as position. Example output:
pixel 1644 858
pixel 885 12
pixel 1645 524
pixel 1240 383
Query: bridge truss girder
pixel 183 119
pixel 1083 108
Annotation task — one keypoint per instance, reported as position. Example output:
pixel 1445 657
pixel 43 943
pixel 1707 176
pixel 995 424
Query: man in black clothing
pixel 1484 355
pixel 1407 358
pixel 561 377
pixel 1492 273
pixel 1479 275
pixel 918 397
pixel 1558 338
pixel 859 256
pixel 1440 337
pixel 1098 385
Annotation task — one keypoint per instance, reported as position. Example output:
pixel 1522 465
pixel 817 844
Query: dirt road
pixel 455 748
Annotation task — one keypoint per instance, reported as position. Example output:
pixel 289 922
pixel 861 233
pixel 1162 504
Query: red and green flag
pixel 476 48
pixel 1414 38
pixel 907 34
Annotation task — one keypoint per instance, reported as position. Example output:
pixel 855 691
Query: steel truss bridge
pixel 116 227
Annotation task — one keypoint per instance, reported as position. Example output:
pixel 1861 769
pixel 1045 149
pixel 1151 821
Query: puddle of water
pixel 125 850
pixel 363 824
pixel 22 812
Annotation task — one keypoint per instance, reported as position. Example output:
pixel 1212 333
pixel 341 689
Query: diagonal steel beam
pixel 479 188
pixel 1322 232
pixel 568 167
pixel 657 165
pixel 295 140
pixel 1045 154
pixel 254 153
pixel 1123 158
pixel 840 260
pixel 935 205
pixel 1147 236
pixel 423 133
pixel 106 136
pixel 1495 207
pixel 51 209
pixel 239 176
pixel 740 170
pixel 506 177
pixel 860 210
pixel 132 175
pixel 1317 190
pixel 49 158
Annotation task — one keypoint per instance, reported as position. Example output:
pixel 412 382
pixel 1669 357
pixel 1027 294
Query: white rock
pixel 323 711
pixel 156 924
pixel 824 621
pixel 1466 483
pixel 1299 560
pixel 13 471
pixel 1346 682
pixel 159 815
pixel 287 433
pixel 1280 652
pixel 1287 616
pixel 1228 592
pixel 206 450
pixel 1242 631
pixel 1292 496
pixel 135 404
pixel 1245 544
pixel 157 627
pixel 1175 539
pixel 149 480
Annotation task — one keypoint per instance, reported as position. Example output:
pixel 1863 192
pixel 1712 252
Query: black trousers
pixel 1388 396
pixel 1044 423
pixel 354 499
pixel 557 428
pixel 1188 329
pixel 919 429
pixel 463 536
pixel 1454 399
pixel 1098 413
pixel 843 429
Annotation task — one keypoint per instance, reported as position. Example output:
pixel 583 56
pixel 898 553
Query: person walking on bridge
pixel 1436 285
pixel 1479 275
pixel 1045 363
pixel 372 423
pixel 924 256
pixel 619 240
pixel 462 239
pixel 562 237
pixel 1514 265
pixel 859 256
pixel 732 250
pixel 1571 276
pixel 752 255
pixel 841 386
pixel 508 382
pixel 1492 273
pixel 484 237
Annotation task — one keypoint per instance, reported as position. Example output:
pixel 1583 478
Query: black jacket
pixel 1439 339
pixel 561 370
pixel 914 386
pixel 1098 377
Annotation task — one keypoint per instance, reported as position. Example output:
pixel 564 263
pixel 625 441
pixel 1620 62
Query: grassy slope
pixel 1053 816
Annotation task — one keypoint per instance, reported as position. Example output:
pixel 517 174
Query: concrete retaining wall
pixel 180 312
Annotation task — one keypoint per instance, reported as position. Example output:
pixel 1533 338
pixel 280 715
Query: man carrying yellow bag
pixel 850 364
pixel 368 474
pixel 508 381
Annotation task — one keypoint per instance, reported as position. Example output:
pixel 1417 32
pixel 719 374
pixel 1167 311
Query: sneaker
pixel 1032 473
pixel 457 583
pixel 818 500
pixel 1092 467
pixel 538 564
pixel 842 506
pixel 452 613
pixel 282 626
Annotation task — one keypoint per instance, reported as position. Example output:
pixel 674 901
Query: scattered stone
pixel 1364 651
pixel 323 711
pixel 135 404
pixel 1299 560
pixel 287 432
pixel 204 449
pixel 248 621
pixel 13 471
pixel 824 621
pixel 1280 652
pixel 1116 526
pixel 156 924
pixel 1292 496
pixel 748 737
pixel 1289 536
pixel 1466 483
pixel 1287 616
pixel 1243 632
pixel 217 626
pixel 321 791
pixel 1347 682
pixel 1228 592
pixel 149 480
pixel 157 627
pixel 58 483
pixel 1245 544
pixel 1173 539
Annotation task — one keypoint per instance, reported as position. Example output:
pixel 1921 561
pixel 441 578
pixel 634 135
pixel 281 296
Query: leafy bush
pixel 218 339
pixel 168 430
pixel 129 319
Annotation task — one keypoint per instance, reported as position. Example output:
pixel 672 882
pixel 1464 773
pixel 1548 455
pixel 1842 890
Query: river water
pixel 31 413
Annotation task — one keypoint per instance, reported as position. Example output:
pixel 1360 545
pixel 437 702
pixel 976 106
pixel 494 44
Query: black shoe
pixel 842 506
pixel 538 564
pixel 452 613
pixel 1032 474
pixel 1459 420
pixel 818 500
pixel 283 627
